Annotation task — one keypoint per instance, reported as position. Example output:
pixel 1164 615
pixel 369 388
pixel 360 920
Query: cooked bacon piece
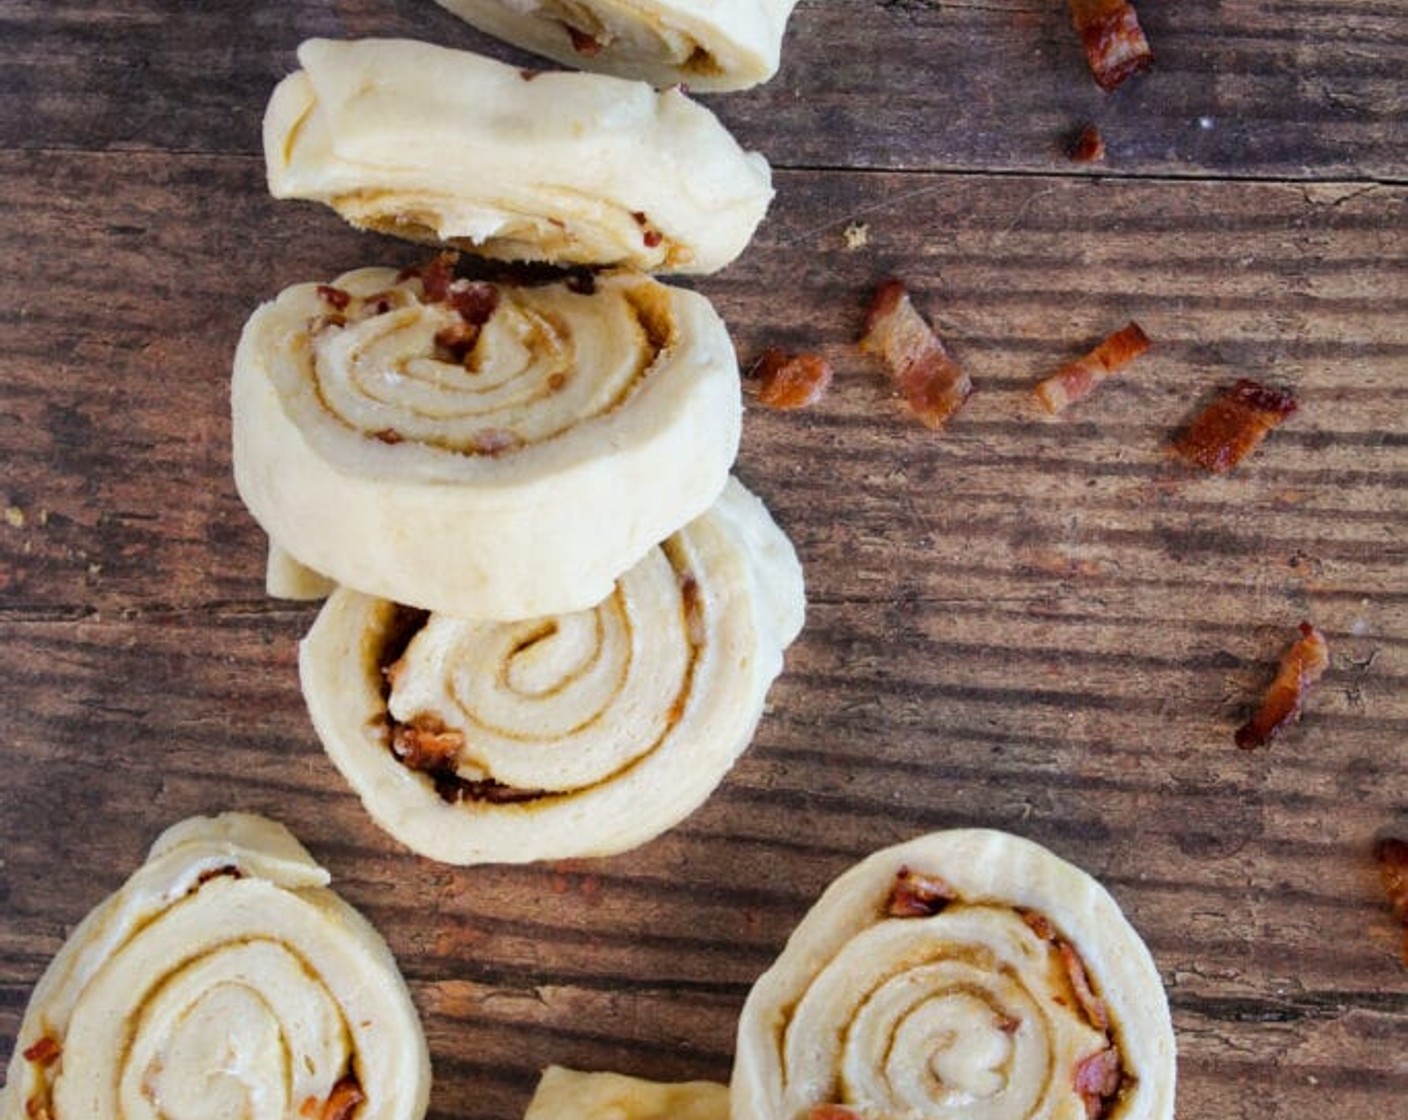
pixel 1039 925
pixel 1087 146
pixel 435 277
pixel 36 1109
pixel 475 301
pixel 1090 1003
pixel 454 789
pixel 583 43
pixel 1008 1024
pixel 1115 46
pixel 45 1052
pixel 457 340
pixel 426 747
pixel 346 1095
pixel 1098 1079
pixel 918 895
pixel 788 381
pixel 336 297
pixel 1392 855
pixel 930 381
pixel 229 870
pixel 1232 426
pixel 1301 667
pixel 1076 380
pixel 388 435
pixel 650 235
pixel 832 1112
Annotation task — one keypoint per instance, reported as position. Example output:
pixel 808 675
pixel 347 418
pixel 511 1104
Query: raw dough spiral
pixel 446 146
pixel 709 44
pixel 222 980
pixel 504 469
pixel 568 1094
pixel 985 1005
pixel 581 734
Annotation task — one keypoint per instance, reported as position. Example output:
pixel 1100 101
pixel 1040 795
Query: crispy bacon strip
pixel 1088 146
pixel 1233 425
pixel 918 895
pixel 1090 1003
pixel 1301 667
pixel 1098 1079
pixel 930 381
pixel 426 748
pixel 45 1052
pixel 1077 380
pixel 1391 852
pixel 346 1095
pixel 789 381
pixel 1115 46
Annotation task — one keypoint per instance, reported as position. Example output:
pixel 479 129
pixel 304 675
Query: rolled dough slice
pixel 223 979
pixel 966 974
pixel 567 1094
pixel 707 44
pixel 585 733
pixel 502 470
pixel 446 146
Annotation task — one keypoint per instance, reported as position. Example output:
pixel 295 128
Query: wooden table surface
pixel 1046 627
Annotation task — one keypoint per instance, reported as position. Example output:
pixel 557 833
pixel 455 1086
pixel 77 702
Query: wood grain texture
pixel 1045 626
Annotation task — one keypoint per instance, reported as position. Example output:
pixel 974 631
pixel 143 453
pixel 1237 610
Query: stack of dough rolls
pixel 966 974
pixel 223 979
pixel 555 618
pixel 711 45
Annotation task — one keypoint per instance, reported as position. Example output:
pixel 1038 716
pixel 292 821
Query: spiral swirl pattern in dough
pixel 579 734
pixel 501 468
pixel 444 146
pixel 709 44
pixel 223 980
pixel 1020 994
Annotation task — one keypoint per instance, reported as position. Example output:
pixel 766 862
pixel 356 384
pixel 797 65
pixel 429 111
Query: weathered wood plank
pixel 1299 88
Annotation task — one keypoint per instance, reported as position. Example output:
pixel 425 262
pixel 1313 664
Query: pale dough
pixel 963 1015
pixel 566 1094
pixel 613 723
pixel 446 146
pixel 223 979
pixel 580 431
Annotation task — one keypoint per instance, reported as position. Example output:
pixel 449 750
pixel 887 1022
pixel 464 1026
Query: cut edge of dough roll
pixel 445 146
pixel 709 45
pixel 568 1094
pixel 989 871
pixel 748 584
pixel 147 990
pixel 537 529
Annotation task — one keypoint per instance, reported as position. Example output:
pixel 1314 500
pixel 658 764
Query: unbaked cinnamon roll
pixel 222 980
pixel 966 975
pixel 449 147
pixel 567 1094
pixel 577 734
pixel 484 450
pixel 708 44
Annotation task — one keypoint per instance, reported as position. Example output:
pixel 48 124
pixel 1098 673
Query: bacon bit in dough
pixel 583 43
pixel 1076 380
pixel 45 1052
pixel 1039 925
pixel 36 1109
pixel 457 340
pixel 1391 852
pixel 790 381
pixel 832 1112
pixel 1232 426
pixel 474 301
pixel 1008 1024
pixel 918 895
pixel 436 277
pixel 454 789
pixel 346 1095
pixel 1098 1079
pixel 651 236
pixel 930 381
pixel 1301 667
pixel 388 435
pixel 427 746
pixel 1090 1003
pixel 229 870
pixel 335 297
pixel 1087 146
pixel 1115 46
